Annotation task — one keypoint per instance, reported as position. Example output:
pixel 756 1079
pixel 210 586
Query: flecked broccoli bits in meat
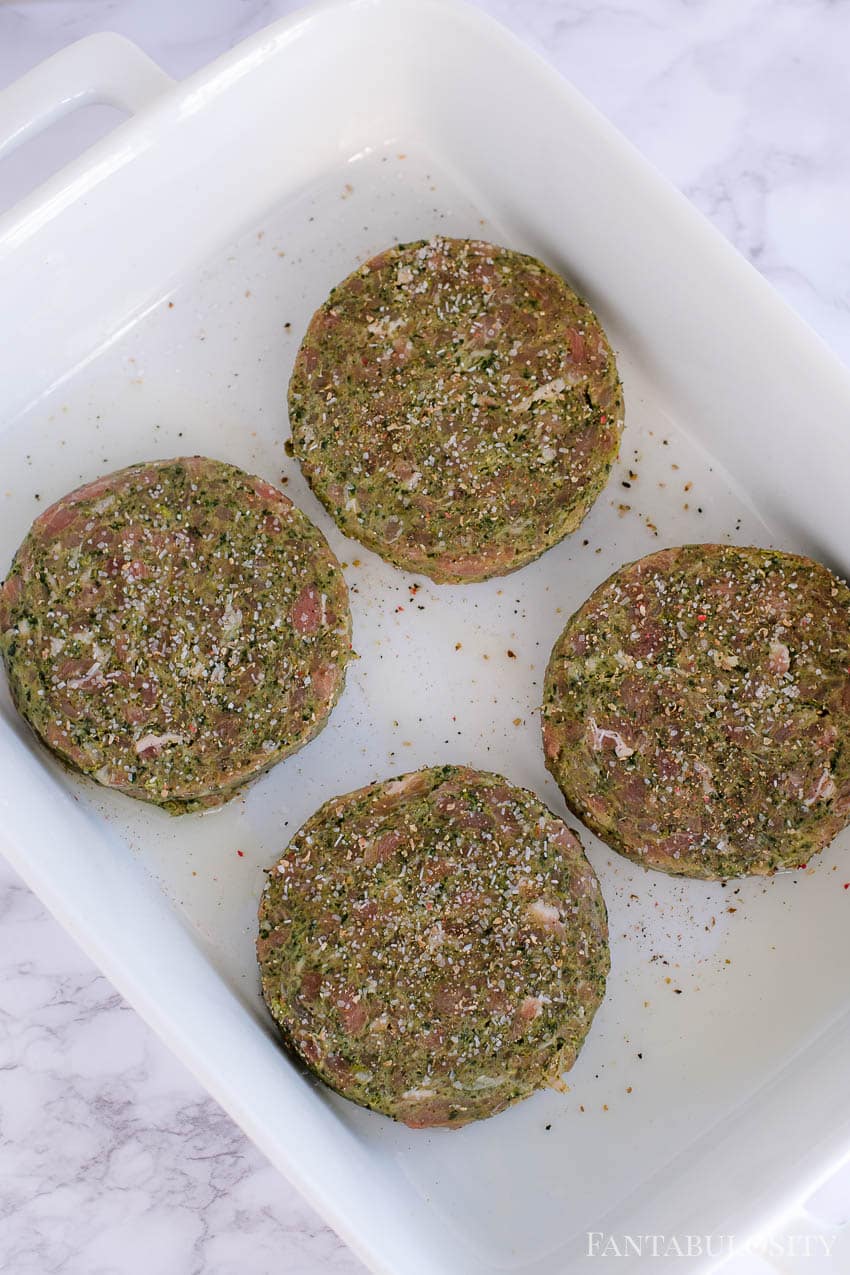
pixel 697 710
pixel 456 407
pixel 174 629
pixel 434 947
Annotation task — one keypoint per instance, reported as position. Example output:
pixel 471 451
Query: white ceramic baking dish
pixel 154 293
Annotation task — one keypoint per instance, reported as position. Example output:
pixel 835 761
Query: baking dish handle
pixel 101 69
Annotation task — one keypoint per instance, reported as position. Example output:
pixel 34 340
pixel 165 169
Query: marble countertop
pixel 112 1160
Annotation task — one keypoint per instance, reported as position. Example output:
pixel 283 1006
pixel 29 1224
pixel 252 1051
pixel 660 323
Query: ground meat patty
pixel 456 407
pixel 697 710
pixel 434 947
pixel 174 629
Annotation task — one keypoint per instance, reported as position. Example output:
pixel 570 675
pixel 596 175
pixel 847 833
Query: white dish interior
pixel 716 992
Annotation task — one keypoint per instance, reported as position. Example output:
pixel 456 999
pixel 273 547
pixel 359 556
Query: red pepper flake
pixel 800 866
pixel 847 885
pixel 702 617
pixel 241 854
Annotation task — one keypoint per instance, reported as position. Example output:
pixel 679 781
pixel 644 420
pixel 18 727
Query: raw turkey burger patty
pixel 697 710
pixel 456 407
pixel 435 946
pixel 174 629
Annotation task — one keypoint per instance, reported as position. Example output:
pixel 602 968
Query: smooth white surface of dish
pixel 181 344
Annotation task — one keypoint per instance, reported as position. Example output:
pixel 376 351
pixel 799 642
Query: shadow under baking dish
pixel 690 1025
